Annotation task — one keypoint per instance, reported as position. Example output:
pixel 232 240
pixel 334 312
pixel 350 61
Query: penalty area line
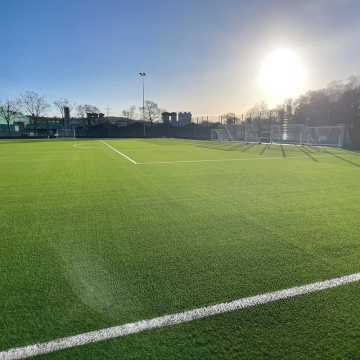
pixel 126 157
pixel 177 318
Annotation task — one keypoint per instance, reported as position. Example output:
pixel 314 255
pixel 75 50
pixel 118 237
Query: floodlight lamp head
pixel 142 74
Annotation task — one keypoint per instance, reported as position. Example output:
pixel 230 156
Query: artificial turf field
pixel 94 236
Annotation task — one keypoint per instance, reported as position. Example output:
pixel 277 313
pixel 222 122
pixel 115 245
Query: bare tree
pixel 87 114
pixel 289 105
pixel 35 105
pixel 130 113
pixel 80 111
pixel 230 118
pixel 151 111
pixel 61 104
pixel 259 109
pixel 335 89
pixel 91 109
pixel 353 83
pixel 9 109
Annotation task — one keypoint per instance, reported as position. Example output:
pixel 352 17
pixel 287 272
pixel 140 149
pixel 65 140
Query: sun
pixel 282 74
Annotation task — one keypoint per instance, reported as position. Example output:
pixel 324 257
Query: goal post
pixel 250 135
pixel 65 133
pixel 236 133
pixel 216 134
pixel 296 134
pixel 300 134
pixel 328 136
pixel 227 132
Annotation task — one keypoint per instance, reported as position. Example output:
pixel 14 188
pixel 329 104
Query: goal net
pixel 216 134
pixel 289 134
pixel 235 133
pixel 328 135
pixel 65 133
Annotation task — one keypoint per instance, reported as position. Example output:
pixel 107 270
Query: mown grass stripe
pixel 137 327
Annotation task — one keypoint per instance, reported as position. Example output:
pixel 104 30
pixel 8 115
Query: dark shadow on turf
pixel 317 149
pixel 339 157
pixel 222 146
pixel 307 153
pixel 217 145
pixel 235 147
pixel 267 146
pixel 351 152
pixel 306 148
pixel 283 151
pixel 289 148
pixel 249 147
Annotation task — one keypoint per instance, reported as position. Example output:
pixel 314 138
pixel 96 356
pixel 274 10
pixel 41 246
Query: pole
pixel 144 103
pixel 143 83
pixel 270 127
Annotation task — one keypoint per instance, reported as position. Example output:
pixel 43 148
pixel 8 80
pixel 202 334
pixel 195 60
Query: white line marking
pixel 88 147
pixel 134 162
pixel 246 159
pixel 136 327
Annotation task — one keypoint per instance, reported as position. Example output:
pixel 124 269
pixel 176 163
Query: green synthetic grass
pixel 90 240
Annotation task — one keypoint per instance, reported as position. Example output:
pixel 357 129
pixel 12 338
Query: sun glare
pixel 282 74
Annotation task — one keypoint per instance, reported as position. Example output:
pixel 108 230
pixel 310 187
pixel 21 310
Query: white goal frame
pixel 295 134
pixel 216 135
pixel 328 136
pixel 236 133
pixel 65 133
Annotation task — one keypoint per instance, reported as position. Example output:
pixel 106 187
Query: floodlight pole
pixel 142 76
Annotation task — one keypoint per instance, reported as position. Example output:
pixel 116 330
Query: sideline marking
pixel 247 159
pixel 134 162
pixel 177 318
pixel 211 160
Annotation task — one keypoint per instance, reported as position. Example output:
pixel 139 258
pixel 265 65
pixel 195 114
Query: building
pixel 167 117
pixel 184 118
pixel 181 119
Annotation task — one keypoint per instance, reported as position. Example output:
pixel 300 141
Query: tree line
pixel 338 103
pixel 36 106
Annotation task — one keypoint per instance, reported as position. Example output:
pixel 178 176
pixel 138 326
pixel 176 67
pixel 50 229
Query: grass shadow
pixel 235 147
pixel 307 153
pixel 267 146
pixel 317 149
pixel 339 157
pixel 283 151
pixel 351 152
pixel 249 147
pixel 217 145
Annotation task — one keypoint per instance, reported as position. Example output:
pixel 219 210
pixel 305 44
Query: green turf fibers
pixel 90 240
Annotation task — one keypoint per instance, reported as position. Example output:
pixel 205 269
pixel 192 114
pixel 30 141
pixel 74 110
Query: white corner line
pixel 126 157
pixel 177 318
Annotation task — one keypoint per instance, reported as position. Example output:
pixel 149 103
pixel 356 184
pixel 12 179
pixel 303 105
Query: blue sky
pixel 202 56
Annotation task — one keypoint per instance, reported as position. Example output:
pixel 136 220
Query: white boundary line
pixel 177 318
pixel 88 147
pixel 246 159
pixel 126 157
pixel 214 160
